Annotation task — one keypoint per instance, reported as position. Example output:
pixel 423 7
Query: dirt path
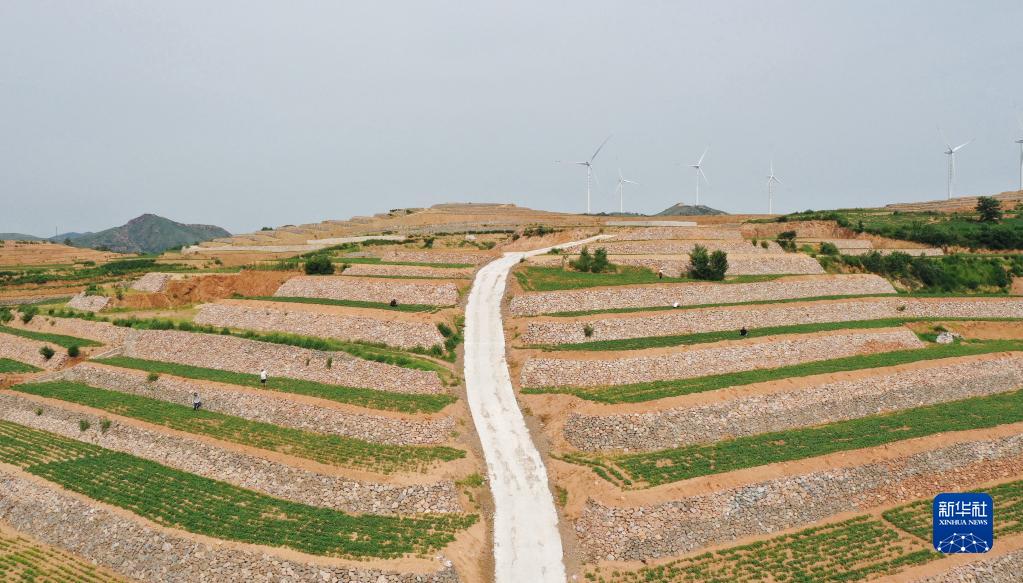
pixel 527 543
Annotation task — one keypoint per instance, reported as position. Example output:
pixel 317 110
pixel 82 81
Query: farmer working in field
pixel 196 402
pixel 262 377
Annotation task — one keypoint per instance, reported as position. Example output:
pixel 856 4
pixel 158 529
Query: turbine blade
pixel 601 147
pixel 700 170
pixel 961 146
pixel 943 138
pixel 702 156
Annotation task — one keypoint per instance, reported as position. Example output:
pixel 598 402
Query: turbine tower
pixel 771 181
pixel 622 181
pixel 1020 142
pixel 589 170
pixel 951 152
pixel 699 173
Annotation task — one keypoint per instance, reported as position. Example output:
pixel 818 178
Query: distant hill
pixel 18 237
pixel 685 210
pixel 149 234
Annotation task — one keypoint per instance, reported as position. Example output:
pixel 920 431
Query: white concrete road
pixel 527 544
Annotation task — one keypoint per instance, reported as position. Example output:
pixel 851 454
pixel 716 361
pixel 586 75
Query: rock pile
pixel 248 471
pixel 299 319
pixel 148 553
pixel 684 247
pixel 151 282
pixel 88 303
pixel 250 356
pixel 266 406
pixel 796 407
pixel 693 294
pixel 713 359
pixel 691 523
pixel 696 320
pixel 26 351
pixel 1001 569
pixel 370 290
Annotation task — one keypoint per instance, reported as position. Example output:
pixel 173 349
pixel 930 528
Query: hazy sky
pixel 250 113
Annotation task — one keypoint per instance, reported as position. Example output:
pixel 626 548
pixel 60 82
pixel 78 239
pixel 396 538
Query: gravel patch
pixel 370 290
pixel 370 269
pixel 27 351
pixel 88 303
pixel 151 282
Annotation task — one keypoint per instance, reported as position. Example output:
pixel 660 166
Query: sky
pixel 251 113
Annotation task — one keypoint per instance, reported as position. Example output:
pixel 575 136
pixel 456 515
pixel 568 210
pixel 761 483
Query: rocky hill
pixel 149 234
pixel 685 210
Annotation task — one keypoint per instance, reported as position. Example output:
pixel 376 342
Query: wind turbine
pixel 622 181
pixel 771 181
pixel 589 170
pixel 1020 142
pixel 951 152
pixel 699 173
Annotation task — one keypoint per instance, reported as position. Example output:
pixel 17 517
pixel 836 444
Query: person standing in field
pixel 262 377
pixel 196 402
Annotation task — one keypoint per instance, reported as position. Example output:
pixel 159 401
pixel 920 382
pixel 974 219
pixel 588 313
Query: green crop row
pixel 347 303
pixel 378 261
pixel 539 278
pixel 639 392
pixel 324 448
pixel 362 397
pixel 24 560
pixel 916 518
pixel 208 507
pixel 682 463
pixel 705 337
pixel 13 366
pixel 58 339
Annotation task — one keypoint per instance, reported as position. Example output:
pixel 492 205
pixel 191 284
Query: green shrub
pixel 445 330
pixel 787 240
pixel 46 352
pixel 73 351
pixel 152 377
pixel 84 425
pixel 588 330
pixel 319 265
pixel 39 411
pixel 710 267
pixel 104 425
pixel 27 313
pixel 828 248
pixel 5 315
pixel 764 244
pixel 595 263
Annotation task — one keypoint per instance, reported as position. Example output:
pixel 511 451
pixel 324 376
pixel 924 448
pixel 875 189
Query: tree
pixel 787 240
pixel 989 209
pixel 319 265
pixel 67 241
pixel 699 263
pixel 600 262
pixel 828 248
pixel 718 265
pixel 597 262
pixel 584 261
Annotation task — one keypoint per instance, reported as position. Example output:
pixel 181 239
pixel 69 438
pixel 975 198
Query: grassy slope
pixel 203 506
pixel 13 366
pixel 58 339
pixel 324 448
pixel 371 398
pixel 673 465
pixel 639 392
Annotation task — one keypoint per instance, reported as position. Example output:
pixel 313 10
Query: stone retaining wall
pixel 652 233
pixel 26 351
pixel 691 294
pixel 797 407
pixel 370 290
pixel 371 269
pixel 267 408
pixel 412 256
pixel 752 264
pixel 297 320
pixel 247 471
pixel 696 320
pixel 136 548
pixel 842 244
pixel 714 359
pixel 151 282
pixel 691 523
pixel 88 303
pixel 104 332
pixel 654 247
pixel 1006 568
pixel 929 252
pixel 250 356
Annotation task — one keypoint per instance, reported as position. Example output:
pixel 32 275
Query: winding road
pixel 527 544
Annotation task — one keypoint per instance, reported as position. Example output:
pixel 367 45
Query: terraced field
pixel 646 384
pixel 22 559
